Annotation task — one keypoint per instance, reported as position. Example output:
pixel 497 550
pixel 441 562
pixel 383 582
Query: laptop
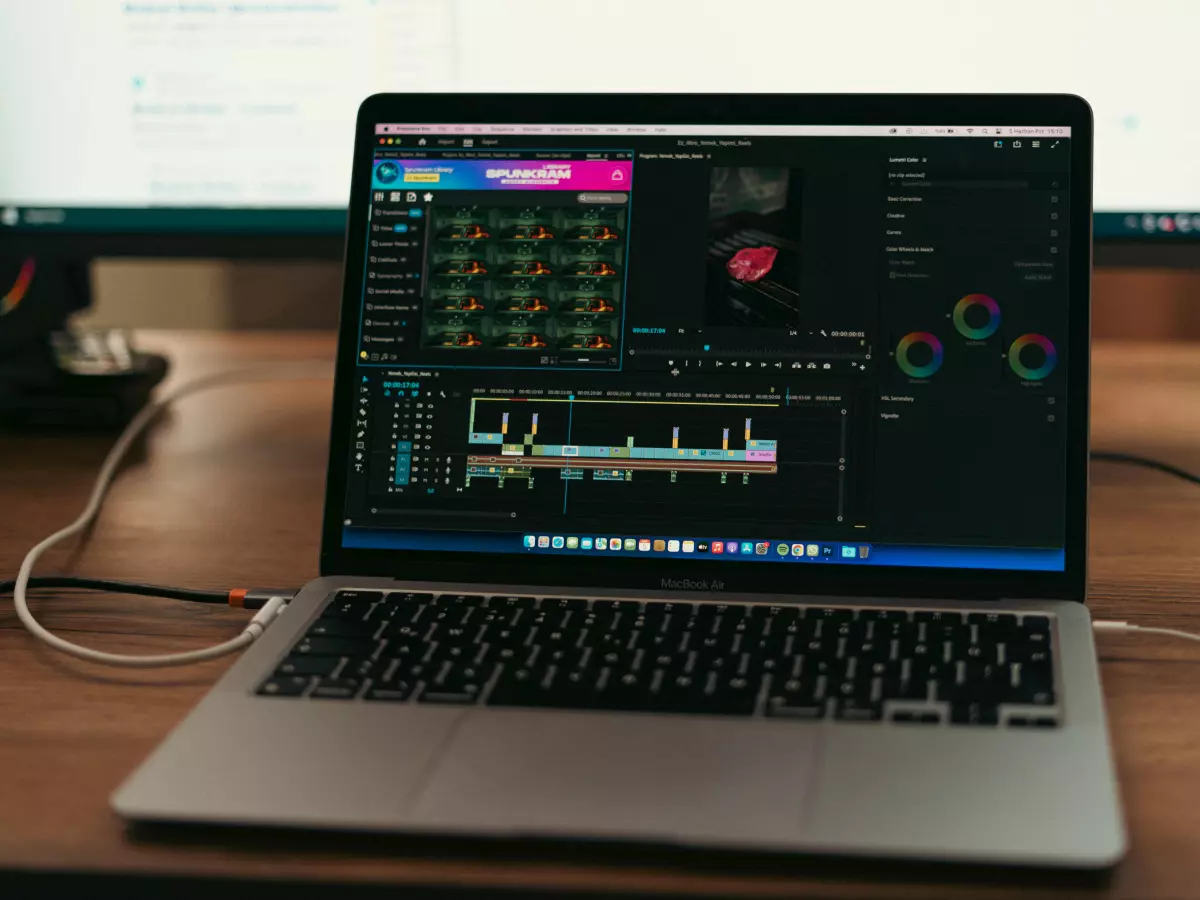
pixel 705 470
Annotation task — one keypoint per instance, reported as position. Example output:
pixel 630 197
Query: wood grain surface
pixel 227 491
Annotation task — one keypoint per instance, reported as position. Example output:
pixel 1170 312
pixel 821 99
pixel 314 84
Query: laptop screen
pixel 786 345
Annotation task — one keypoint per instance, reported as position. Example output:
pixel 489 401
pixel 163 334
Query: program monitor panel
pixel 810 345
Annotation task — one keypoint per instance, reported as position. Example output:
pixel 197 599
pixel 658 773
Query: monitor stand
pixel 52 375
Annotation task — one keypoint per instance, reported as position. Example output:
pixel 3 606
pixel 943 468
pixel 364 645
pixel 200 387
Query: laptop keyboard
pixel 921 667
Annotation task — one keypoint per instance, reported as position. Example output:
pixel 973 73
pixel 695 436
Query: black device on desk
pixel 51 375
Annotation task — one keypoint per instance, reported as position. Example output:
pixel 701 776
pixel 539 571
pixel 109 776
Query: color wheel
pixel 960 316
pixel 919 337
pixel 1035 340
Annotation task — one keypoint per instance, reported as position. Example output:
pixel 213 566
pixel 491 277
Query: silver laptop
pixel 706 471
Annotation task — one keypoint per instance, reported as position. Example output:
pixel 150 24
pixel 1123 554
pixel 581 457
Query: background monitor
pixel 226 126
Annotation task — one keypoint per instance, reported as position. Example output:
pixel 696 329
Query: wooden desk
pixel 229 492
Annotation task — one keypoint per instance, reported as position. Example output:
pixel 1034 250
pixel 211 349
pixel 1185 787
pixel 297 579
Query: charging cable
pixel 271 607
pixel 1132 459
pixel 241 598
pixel 1109 625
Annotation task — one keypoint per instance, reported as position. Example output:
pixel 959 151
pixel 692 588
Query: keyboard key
pixel 346 609
pixel 912 688
pixel 973 714
pixel 337 688
pixel 1001 621
pixel 452 615
pixel 518 686
pixel 868 651
pixel 883 615
pixel 939 616
pixel 335 646
pixel 1033 695
pixel 308 665
pixel 857 710
pixel 778 613
pixel 916 718
pixel 396 691
pixel 566 604
pixel 407 597
pixel 795 698
pixel 357 596
pixel 510 601
pixel 1039 624
pixel 830 613
pixel 675 609
pixel 680 692
pixel 1034 657
pixel 283 686
pixel 616 606
pixel 459 600
pixel 343 628
pixel 396 613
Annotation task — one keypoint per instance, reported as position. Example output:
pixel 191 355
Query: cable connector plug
pixel 265 616
pixel 257 598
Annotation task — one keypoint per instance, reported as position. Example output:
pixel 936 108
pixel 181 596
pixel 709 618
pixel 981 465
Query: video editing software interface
pixel 806 345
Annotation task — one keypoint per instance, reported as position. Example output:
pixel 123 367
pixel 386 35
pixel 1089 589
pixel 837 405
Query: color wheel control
pixel 1024 342
pixel 971 305
pixel 907 343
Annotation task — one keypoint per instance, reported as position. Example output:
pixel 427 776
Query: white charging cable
pixel 108 471
pixel 1102 625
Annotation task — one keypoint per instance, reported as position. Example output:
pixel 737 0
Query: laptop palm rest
pixel 523 772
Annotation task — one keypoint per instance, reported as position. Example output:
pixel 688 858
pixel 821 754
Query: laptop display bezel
pixel 747 577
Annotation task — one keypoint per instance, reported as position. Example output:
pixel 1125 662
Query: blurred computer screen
pixel 237 115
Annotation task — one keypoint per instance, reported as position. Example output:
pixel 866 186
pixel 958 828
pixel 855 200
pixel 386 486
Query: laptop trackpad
pixel 527 772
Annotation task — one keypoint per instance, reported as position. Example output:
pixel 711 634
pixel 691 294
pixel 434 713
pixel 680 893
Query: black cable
pixel 1130 459
pixel 121 587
